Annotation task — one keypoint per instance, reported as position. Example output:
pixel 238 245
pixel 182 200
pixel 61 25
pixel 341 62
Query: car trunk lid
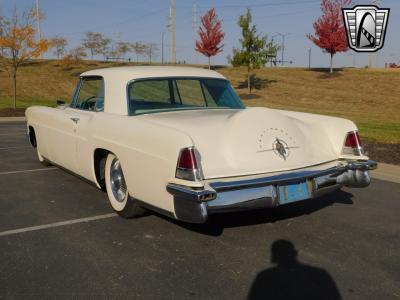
pixel 238 142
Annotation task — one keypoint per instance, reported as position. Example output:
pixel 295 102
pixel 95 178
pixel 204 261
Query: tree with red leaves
pixel 330 32
pixel 211 36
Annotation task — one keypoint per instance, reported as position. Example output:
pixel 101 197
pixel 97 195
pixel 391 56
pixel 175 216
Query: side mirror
pixel 60 102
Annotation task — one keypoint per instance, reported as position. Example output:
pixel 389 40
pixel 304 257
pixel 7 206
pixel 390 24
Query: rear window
pixel 170 94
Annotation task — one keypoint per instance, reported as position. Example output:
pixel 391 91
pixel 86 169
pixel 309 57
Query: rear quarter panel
pixel 148 154
pixel 335 129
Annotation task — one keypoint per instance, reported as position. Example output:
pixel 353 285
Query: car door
pixel 89 102
pixel 60 136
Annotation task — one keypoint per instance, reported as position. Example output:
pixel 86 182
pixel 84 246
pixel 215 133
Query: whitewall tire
pixel 117 190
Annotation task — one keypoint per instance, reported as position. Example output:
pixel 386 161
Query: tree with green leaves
pixel 255 49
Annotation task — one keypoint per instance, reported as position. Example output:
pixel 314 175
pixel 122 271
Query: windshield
pixel 170 94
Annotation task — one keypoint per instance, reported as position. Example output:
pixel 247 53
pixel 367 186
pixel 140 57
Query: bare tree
pixel 112 53
pixel 18 44
pixel 151 50
pixel 78 53
pixel 103 47
pixel 91 42
pixel 138 48
pixel 122 48
pixel 59 44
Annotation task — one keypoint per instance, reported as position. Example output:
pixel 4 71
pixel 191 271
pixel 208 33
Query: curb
pixel 12 119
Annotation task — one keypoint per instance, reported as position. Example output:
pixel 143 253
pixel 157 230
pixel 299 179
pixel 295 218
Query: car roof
pixel 130 73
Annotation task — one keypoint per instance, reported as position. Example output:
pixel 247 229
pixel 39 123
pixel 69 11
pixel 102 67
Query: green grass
pixel 371 98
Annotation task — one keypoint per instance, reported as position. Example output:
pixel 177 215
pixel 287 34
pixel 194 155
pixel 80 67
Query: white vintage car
pixel 179 141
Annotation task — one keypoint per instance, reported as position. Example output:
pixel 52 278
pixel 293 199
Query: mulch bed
pixel 378 151
pixel 11 112
pixel 382 152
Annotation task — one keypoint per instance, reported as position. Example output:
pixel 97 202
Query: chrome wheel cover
pixel 117 181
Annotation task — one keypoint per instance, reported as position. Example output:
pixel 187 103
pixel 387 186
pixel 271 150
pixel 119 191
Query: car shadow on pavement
pixel 291 279
pixel 216 223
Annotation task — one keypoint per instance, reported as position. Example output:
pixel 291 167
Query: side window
pixel 90 95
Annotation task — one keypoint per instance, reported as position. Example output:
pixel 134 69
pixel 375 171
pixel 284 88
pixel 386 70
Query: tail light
pixel 187 167
pixel 352 144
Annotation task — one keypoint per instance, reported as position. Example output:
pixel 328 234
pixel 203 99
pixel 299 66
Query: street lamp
pixel 283 44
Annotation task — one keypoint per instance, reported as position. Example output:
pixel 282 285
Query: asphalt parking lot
pixel 60 239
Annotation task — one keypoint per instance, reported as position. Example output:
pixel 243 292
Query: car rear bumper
pixel 194 205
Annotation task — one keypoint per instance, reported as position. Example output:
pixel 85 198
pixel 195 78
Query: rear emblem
pixel 274 140
pixel 281 148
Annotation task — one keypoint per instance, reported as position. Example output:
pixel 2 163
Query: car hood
pixel 237 142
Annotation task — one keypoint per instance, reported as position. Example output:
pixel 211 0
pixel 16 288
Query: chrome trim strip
pixel 265 196
pixel 190 193
pixel 362 165
pixel 275 180
pixel 293 177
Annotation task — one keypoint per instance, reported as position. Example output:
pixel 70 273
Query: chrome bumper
pixel 194 205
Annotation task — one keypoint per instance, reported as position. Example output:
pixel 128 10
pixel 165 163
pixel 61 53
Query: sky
pixel 146 20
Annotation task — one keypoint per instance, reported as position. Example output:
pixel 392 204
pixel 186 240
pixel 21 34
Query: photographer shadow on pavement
pixel 290 279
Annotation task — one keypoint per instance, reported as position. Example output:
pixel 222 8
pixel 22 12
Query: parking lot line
pixel 27 171
pixel 13 133
pixel 19 147
pixel 7 125
pixel 57 224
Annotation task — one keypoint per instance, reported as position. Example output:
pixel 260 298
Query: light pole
pixel 162 48
pixel 38 23
pixel 195 27
pixel 371 56
pixel 272 43
pixel 172 31
pixel 283 44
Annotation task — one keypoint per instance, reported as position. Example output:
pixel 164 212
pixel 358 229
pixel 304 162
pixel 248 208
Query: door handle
pixel 75 120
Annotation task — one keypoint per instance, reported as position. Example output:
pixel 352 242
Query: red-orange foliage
pixel 330 32
pixel 394 65
pixel 211 35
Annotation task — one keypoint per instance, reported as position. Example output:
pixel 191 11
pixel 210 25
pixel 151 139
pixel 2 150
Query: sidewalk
pixel 383 172
pixel 387 172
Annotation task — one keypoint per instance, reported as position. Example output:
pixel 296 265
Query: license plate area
pixel 294 192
